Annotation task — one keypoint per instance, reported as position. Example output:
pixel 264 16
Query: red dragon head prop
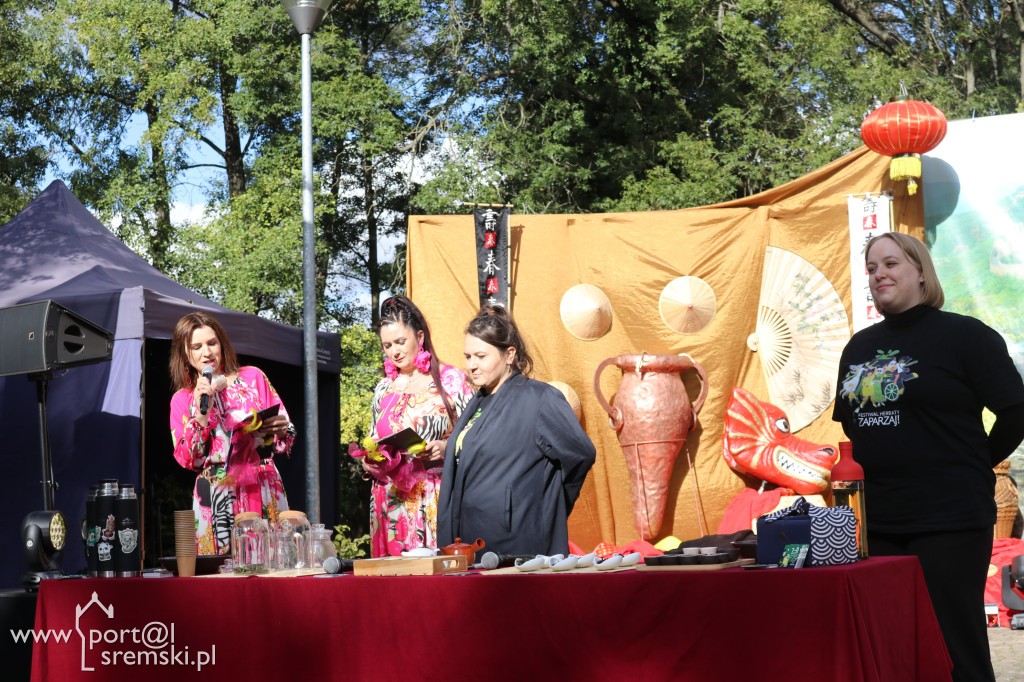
pixel 757 441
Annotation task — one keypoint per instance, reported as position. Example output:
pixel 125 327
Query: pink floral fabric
pixel 235 473
pixel 403 510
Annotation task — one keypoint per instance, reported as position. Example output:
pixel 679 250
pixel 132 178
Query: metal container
pixel 106 528
pixel 127 548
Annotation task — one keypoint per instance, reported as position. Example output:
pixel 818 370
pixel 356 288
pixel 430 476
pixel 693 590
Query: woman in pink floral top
pixel 403 502
pixel 232 454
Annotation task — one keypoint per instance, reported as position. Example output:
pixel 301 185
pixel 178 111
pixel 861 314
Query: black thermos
pixel 127 553
pixel 92 531
pixel 106 528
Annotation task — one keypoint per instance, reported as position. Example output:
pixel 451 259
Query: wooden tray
pixel 697 567
pixel 398 565
pixel 512 570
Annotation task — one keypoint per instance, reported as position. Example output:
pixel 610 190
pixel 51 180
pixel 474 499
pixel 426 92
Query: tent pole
pixel 44 439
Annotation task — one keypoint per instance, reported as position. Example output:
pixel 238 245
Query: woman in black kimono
pixel 517 458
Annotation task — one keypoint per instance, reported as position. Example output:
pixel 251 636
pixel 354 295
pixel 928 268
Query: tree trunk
pixel 233 160
pixel 160 237
pixel 1018 17
pixel 370 214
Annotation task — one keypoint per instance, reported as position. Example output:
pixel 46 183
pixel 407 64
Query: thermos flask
pixel 106 528
pixel 91 531
pixel 127 553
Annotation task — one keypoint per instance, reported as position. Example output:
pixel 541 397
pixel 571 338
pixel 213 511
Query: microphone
pixel 204 401
pixel 492 560
pixel 333 564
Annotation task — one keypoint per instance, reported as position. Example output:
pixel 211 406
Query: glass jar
pixel 250 544
pixel 322 546
pixel 293 542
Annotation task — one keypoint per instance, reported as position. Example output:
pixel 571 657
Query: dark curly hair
pixel 400 310
pixel 494 326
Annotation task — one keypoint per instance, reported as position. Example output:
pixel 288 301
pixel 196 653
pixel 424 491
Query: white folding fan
pixel 801 330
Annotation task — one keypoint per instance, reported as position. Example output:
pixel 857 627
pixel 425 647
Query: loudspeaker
pixel 44 336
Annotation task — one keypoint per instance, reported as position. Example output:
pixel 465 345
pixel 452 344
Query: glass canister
pixel 322 546
pixel 293 542
pixel 250 542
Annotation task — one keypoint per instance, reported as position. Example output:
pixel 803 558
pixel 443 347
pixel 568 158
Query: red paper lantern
pixel 904 130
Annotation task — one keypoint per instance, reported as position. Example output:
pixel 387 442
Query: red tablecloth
pixel 864 622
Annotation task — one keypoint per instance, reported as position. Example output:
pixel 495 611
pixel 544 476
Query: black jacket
pixel 519 472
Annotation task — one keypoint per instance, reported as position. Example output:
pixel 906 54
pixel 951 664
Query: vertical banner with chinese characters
pixel 869 216
pixel 492 254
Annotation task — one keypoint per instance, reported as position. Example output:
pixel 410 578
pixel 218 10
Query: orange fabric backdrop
pixel 631 257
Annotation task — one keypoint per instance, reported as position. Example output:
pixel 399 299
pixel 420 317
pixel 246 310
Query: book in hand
pixel 403 440
pixel 259 417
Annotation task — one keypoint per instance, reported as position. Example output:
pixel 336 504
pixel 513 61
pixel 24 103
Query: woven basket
pixel 1006 500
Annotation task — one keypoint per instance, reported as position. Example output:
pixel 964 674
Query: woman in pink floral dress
pixel 419 393
pixel 232 453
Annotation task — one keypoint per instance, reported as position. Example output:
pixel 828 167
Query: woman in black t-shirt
pixel 910 395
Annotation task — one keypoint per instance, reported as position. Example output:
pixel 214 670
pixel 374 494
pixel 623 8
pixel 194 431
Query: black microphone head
pixel 490 561
pixel 332 564
pixel 208 372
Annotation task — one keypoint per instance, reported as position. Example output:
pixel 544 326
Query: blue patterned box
pixel 832 530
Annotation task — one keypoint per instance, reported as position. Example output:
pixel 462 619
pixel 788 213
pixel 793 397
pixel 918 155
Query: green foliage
pixel 247 253
pixel 22 166
pixel 350 547
pixel 23 159
pixel 690 175
pixel 361 370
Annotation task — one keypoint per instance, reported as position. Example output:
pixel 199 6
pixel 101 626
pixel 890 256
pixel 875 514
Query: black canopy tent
pixel 111 420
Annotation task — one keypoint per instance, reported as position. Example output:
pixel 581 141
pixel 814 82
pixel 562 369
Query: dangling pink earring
pixel 422 361
pixel 389 368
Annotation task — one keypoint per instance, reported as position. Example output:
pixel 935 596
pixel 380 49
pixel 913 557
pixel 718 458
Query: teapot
pixel 461 548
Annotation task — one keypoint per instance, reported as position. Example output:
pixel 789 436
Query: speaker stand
pixel 49 485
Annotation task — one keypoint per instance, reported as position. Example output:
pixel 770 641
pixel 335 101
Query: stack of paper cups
pixel 185 542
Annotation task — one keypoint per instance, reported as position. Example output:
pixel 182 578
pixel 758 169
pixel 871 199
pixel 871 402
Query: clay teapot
pixel 459 547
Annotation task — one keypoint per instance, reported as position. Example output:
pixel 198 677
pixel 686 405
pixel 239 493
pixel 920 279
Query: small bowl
pixel 710 559
pixel 709 550
pixel 748 548
pixel 691 551
pixel 657 560
pixel 688 559
pixel 732 554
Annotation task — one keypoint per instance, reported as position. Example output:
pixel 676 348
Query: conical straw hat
pixel 586 312
pixel 687 305
pixel 570 395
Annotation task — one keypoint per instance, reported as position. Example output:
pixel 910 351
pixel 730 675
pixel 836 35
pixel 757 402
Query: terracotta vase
pixel 652 415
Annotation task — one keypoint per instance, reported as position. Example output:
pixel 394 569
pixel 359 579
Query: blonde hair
pixel 917 253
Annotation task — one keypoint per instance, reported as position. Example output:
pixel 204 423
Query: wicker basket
pixel 1006 500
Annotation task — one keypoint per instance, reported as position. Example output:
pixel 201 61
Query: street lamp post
pixel 307 15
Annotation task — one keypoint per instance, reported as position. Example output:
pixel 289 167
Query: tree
pixel 594 105
pixel 974 45
pixel 363 125
pixel 23 159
